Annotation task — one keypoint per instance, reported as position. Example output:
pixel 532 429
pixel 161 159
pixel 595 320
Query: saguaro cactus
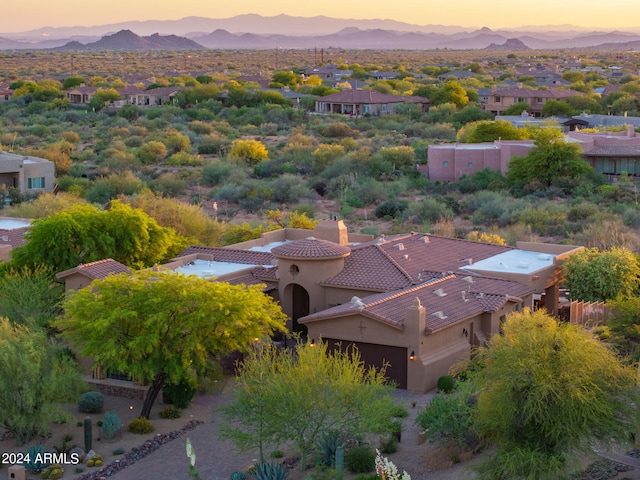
pixel 88 436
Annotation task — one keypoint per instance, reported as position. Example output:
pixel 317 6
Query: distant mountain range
pixel 258 32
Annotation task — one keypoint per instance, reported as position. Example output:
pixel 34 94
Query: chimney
pixel 415 320
pixel 631 131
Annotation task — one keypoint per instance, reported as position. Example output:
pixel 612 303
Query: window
pixel 445 164
pixel 37 182
pixel 384 107
pixel 496 99
pixel 470 165
pixel 521 99
pixel 539 100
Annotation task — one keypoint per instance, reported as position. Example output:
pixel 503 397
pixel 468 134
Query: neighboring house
pixel 419 302
pixel 365 102
pixel 5 93
pixel 328 72
pixel 450 161
pixel 458 75
pixel 501 99
pixel 383 75
pixel 81 95
pixel 611 153
pixel 28 174
pixel 568 124
pixel 12 231
pixel 85 273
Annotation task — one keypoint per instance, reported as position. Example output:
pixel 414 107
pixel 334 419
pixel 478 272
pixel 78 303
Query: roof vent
pixel 439 292
pixel 464 296
pixel 406 256
pixel 425 239
pixel 480 295
pixel 467 279
pixel 399 246
pixel 440 314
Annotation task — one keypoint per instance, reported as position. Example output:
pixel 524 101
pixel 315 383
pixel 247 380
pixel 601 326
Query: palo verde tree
pixel 162 326
pixel 592 275
pixel 551 158
pixel 298 396
pixel 34 378
pixel 84 233
pixel 546 391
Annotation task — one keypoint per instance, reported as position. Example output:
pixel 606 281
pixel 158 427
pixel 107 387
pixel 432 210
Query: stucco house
pixel 28 174
pixel 416 301
pixel 365 102
pixel 501 99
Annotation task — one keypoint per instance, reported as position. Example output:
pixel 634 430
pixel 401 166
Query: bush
pixel 389 444
pixel 111 425
pixel 170 412
pixel 35 454
pixel 446 383
pixel 180 394
pixel 237 476
pixel 360 459
pixel 269 471
pixel 91 402
pixel 141 426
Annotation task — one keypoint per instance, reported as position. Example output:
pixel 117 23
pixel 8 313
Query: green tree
pixel 34 378
pixel 296 396
pixel 163 326
pixel 450 92
pixel 83 234
pixel 489 131
pixel 72 81
pixel 557 108
pixel 546 391
pixel 249 150
pixel 592 275
pixel 550 159
pixel 517 108
pixel 284 78
pixel 102 96
pixel 30 296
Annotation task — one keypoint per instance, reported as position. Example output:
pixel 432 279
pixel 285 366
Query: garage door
pixel 377 356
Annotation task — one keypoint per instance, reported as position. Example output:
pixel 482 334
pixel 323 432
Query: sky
pixel 26 15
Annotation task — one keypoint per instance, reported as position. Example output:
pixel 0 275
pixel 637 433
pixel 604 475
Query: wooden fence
pixel 589 314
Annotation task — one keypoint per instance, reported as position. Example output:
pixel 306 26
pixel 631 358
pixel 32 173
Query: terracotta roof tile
pixel 13 237
pixel 443 300
pixel 231 255
pixel 311 248
pixel 614 150
pixel 96 270
pixel 259 275
pixel 399 261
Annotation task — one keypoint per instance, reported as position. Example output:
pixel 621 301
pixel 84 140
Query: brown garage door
pixel 377 356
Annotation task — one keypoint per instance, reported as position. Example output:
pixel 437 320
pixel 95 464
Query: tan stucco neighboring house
pixel 365 102
pixel 501 99
pixel 27 174
pixel 85 273
pixel 81 95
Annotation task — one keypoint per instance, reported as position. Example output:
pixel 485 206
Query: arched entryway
pixel 300 308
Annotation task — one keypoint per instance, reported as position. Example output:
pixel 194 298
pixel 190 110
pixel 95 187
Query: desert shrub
pixel 631 218
pixel 237 476
pixel 338 130
pixel 428 210
pixel 391 208
pixel 446 383
pixel 180 394
pixel 389 444
pixel 360 459
pixel 35 456
pixel 328 443
pixel 582 211
pixel 140 426
pixel 111 425
pixel 171 412
pixel 91 402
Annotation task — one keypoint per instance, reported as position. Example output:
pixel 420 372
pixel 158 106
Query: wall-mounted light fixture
pixel 313 342
pixel 412 356
pixel 465 332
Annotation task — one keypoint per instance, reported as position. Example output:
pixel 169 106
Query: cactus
pixel 88 436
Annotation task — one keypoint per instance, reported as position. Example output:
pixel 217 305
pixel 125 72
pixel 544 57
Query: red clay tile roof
pixel 13 237
pixel 368 267
pixel 259 275
pixel 531 93
pixel 399 261
pixel 231 255
pixel 311 248
pixel 442 295
pixel 96 270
